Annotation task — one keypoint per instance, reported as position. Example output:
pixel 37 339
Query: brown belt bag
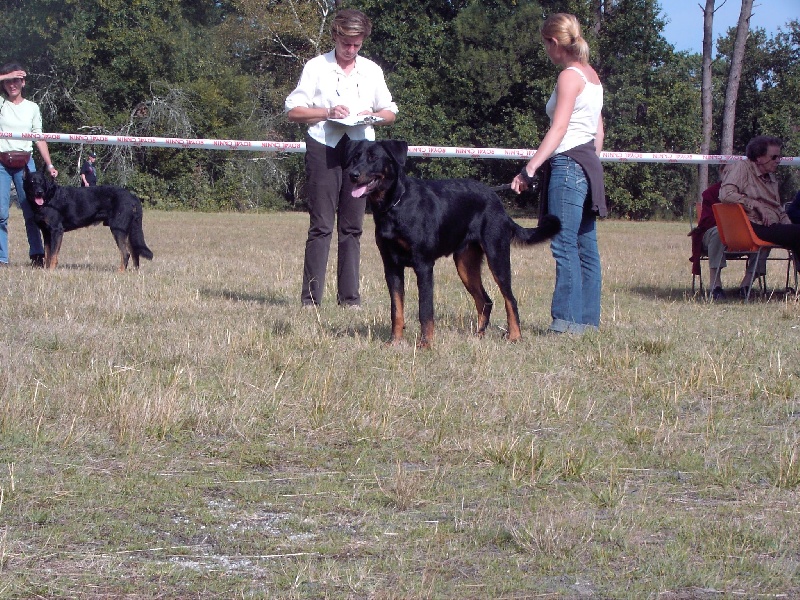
pixel 14 160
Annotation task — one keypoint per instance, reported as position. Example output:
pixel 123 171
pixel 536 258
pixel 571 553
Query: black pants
pixel 781 234
pixel 329 202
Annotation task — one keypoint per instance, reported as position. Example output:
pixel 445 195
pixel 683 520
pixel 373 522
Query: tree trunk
pixel 732 91
pixel 598 9
pixel 706 95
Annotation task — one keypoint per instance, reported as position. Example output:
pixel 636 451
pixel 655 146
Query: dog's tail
pixel 144 252
pixel 136 238
pixel 549 225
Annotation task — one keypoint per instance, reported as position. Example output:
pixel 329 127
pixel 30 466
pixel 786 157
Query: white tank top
pixel 585 116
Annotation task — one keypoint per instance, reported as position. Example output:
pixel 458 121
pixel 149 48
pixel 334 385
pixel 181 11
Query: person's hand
pixel 339 111
pixel 53 171
pixel 518 185
pixel 523 181
pixel 14 75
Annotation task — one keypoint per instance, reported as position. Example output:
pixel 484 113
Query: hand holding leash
pixel 523 181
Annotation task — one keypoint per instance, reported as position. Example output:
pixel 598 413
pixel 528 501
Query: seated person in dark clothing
pixel 793 209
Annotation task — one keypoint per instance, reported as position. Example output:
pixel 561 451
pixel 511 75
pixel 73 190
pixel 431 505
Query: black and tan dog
pixel 417 222
pixel 57 209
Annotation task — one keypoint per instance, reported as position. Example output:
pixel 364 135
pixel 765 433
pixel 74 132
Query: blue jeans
pixel 576 298
pixel 17 176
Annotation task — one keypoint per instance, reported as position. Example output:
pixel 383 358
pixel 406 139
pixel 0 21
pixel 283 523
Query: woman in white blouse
pixel 340 96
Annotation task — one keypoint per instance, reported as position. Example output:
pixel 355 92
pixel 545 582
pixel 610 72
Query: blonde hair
pixel 350 22
pixel 565 29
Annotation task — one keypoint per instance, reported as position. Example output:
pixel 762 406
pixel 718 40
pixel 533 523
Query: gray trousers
pixel 330 202
pixel 716 253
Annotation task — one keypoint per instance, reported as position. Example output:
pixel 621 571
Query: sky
pixel 685 27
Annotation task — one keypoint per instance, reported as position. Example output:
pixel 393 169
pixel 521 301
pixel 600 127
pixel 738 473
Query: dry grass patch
pixel 190 428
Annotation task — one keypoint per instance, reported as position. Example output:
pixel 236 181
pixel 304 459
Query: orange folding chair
pixel 739 239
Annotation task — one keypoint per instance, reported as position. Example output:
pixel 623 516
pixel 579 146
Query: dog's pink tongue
pixel 359 191
pixel 39 201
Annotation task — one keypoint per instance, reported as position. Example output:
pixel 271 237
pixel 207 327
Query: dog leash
pixel 532 187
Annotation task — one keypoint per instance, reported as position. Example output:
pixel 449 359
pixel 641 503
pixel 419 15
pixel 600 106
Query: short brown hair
pixel 10 67
pixel 759 146
pixel 7 68
pixel 350 22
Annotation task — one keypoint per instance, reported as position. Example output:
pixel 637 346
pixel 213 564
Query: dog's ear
pixel 397 149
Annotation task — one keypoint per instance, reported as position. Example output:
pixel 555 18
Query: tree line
pixel 464 73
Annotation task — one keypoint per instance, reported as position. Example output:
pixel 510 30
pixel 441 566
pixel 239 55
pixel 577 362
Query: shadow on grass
pixel 670 294
pixel 270 298
pixel 732 295
pixel 449 322
pixel 93 268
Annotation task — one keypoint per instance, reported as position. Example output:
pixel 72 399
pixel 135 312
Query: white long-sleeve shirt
pixel 323 84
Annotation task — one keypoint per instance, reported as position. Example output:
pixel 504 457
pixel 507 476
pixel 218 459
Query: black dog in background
pixel 417 222
pixel 58 209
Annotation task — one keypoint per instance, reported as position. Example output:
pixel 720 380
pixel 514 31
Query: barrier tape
pixel 424 151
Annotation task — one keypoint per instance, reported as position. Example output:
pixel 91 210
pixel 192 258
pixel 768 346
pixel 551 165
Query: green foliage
pixel 770 80
pixel 650 105
pixel 464 72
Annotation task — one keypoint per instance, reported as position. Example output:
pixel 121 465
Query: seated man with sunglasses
pixel 753 184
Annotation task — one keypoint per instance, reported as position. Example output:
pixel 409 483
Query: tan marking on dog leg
pixel 514 329
pixel 54 255
pixel 426 337
pixel 398 316
pixel 514 332
pixel 468 266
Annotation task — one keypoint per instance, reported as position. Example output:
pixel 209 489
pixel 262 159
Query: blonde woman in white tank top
pixel 574 191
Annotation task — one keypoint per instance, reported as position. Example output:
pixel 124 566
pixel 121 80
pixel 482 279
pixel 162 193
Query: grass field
pixel 188 431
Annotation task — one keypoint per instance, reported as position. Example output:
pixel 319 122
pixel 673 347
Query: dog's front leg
pixel 394 273
pixel 425 287
pixel 56 237
pixel 395 280
pixel 47 241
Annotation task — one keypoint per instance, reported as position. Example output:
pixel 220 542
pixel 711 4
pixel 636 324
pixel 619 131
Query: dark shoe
pixel 37 261
pixel 717 294
pixel 743 291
